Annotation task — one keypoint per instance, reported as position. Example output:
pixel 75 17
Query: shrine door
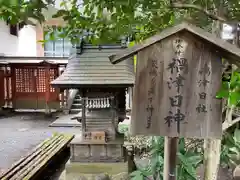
pixel 31 87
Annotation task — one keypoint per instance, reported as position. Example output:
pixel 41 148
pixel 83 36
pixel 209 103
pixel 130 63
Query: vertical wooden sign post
pixel 178 75
pixel 170 158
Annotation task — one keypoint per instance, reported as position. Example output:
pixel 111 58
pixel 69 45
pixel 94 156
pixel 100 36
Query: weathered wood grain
pixel 31 164
pixel 198 54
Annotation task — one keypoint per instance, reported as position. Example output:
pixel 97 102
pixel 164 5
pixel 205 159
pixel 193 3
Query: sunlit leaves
pixel 18 11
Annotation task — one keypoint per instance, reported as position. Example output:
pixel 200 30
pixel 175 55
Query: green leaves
pixel 237 135
pixel 137 175
pixel 224 91
pixel 60 13
pixel 230 153
pixel 21 11
pixel 231 90
pixel 234 98
pixel 187 167
pixel 188 161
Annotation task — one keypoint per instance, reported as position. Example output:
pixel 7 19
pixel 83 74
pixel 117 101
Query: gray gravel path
pixel 21 133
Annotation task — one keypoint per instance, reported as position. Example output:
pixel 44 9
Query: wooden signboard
pixel 179 72
pixel 177 80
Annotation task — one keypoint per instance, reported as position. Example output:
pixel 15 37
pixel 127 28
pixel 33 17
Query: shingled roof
pixel 92 67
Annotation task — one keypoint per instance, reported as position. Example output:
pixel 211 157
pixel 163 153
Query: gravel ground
pixel 22 132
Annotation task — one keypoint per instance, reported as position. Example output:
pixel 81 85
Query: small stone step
pixel 76 105
pixel 96 124
pixel 77 100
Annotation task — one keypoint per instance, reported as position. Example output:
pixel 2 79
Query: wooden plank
pixel 34 162
pixel 29 159
pixel 16 166
pixel 38 158
pixel 48 157
pixel 175 96
pixel 34 166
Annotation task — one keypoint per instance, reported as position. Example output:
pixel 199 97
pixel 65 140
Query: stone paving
pixel 22 132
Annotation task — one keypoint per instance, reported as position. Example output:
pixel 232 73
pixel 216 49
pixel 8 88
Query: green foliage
pixel 124 129
pixel 231 89
pixel 109 20
pixel 190 157
pixel 136 18
pixel 230 154
pixel 188 161
pixel 15 11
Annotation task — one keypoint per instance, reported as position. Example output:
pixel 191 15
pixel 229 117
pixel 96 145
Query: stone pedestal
pixel 89 159
pixel 93 151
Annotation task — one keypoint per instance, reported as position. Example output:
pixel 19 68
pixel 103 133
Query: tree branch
pixel 227 124
pixel 199 8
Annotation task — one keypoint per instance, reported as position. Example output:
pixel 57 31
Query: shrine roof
pixel 229 51
pixel 91 67
pixel 32 60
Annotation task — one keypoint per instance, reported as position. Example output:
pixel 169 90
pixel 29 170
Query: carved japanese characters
pixel 176 83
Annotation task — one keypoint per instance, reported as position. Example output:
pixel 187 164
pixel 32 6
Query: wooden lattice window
pixel 41 80
pixel 19 84
pixel 33 79
pixel 52 77
pixel 24 80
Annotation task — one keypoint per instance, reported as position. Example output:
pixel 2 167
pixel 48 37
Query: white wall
pixel 27 44
pixel 8 42
pixel 22 45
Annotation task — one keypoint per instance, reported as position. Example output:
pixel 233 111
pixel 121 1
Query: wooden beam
pixel 47 89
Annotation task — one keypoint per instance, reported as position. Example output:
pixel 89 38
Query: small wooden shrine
pixel 181 72
pixel 102 88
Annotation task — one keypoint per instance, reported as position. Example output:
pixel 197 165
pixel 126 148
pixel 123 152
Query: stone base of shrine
pixel 87 171
pixel 88 151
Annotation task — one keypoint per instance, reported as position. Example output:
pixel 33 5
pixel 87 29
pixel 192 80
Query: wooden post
pixel 2 95
pixel 7 85
pixel 170 158
pixel 13 85
pixel 47 93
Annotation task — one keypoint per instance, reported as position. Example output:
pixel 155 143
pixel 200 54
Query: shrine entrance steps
pixel 76 105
